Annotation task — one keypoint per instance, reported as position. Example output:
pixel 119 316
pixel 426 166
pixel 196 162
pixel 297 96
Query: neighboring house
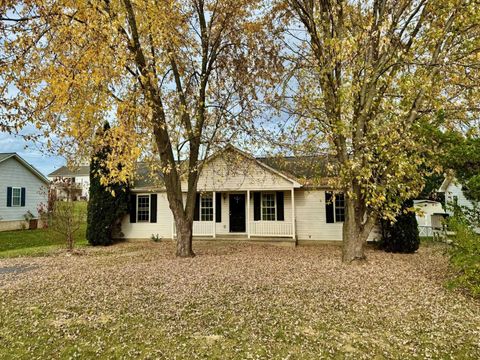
pixel 78 179
pixel 428 214
pixel 22 190
pixel 242 197
pixel 454 195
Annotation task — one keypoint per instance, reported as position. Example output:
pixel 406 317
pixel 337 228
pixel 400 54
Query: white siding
pixel 84 182
pixel 234 173
pixel 424 217
pixel 142 230
pixel 14 174
pixel 454 189
pixel 311 217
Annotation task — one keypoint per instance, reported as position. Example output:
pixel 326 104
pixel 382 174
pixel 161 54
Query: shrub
pixel 65 220
pixel 465 254
pixel 402 235
pixel 107 204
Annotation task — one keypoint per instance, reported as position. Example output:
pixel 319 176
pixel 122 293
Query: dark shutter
pixel 218 207
pixel 280 206
pixel 133 208
pixel 22 200
pixel 196 214
pixel 256 205
pixel 329 207
pixel 153 208
pixel 9 196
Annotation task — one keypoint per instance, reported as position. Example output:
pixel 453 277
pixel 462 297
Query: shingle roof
pixel 83 170
pixel 308 170
pixel 302 168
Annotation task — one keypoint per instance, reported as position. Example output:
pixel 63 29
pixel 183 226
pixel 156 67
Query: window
pixel 16 196
pixel 143 208
pixel 206 207
pixel 339 207
pixel 269 210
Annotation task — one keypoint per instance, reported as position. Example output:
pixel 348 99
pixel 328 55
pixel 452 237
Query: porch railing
pixel 271 228
pixel 200 228
pixel 425 230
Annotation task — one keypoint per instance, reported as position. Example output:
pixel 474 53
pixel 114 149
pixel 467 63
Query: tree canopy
pixel 178 78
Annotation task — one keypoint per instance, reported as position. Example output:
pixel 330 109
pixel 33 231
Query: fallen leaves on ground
pixel 136 300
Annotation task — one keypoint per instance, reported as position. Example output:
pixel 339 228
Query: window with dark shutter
pixel 153 208
pixel 218 207
pixel 9 196
pixel 329 207
pixel 133 208
pixel 256 206
pixel 196 214
pixel 280 206
pixel 23 197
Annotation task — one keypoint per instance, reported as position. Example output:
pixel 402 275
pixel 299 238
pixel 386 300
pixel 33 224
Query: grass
pixel 36 242
pixel 234 301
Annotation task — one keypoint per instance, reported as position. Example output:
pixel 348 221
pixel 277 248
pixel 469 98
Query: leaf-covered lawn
pixel 136 300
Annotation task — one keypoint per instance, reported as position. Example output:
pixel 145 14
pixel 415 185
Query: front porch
pixel 244 215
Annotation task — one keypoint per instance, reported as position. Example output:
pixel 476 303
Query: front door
pixel 237 213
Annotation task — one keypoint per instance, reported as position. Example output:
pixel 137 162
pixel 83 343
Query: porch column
pixel 294 233
pixel 248 214
pixel 214 199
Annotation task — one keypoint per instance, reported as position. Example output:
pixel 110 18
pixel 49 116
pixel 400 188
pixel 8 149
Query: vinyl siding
pixel 311 217
pixel 14 174
pixel 144 230
pixel 309 208
pixel 238 173
pixel 455 189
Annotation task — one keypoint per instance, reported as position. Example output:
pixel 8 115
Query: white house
pixel 78 178
pixel 242 197
pixel 454 194
pixel 22 190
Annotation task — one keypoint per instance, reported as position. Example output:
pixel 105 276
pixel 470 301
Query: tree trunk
pixel 356 229
pixel 184 237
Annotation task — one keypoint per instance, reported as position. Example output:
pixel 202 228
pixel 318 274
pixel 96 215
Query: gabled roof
pixel 300 171
pixel 446 182
pixel 31 168
pixel 83 170
pixel 421 201
pixel 264 164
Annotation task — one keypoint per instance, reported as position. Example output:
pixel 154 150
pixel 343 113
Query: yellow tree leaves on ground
pixel 176 77
pixel 370 76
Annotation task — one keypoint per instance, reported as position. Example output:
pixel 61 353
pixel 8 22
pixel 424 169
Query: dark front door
pixel 237 213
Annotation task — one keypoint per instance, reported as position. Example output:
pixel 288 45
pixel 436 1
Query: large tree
pixel 176 77
pixel 368 76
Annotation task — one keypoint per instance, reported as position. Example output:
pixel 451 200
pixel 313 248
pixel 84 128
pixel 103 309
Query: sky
pixel 31 152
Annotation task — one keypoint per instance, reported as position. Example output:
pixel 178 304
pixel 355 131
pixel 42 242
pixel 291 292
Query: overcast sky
pixel 46 163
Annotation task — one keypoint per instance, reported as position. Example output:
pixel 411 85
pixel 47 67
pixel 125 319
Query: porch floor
pixel 287 240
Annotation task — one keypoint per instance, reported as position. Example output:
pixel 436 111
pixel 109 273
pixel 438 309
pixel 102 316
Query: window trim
pixel 335 207
pixel 274 205
pixel 200 206
pixel 148 207
pixel 19 196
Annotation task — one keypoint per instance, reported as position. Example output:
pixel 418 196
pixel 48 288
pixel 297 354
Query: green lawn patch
pixel 36 242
